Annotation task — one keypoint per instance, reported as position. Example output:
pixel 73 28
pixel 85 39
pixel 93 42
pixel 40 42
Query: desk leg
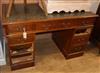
pixel 63 40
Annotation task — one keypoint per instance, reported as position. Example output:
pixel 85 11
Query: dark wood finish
pixel 22 65
pixel 95 36
pixel 71 42
pixel 18 39
pixel 19 27
pixel 96 30
pixel 63 39
pixel 55 25
pixel 79 40
pixel 70 32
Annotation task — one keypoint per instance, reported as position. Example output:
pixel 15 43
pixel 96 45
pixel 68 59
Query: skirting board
pixel 2 56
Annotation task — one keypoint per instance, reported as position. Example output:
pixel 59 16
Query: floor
pixel 50 60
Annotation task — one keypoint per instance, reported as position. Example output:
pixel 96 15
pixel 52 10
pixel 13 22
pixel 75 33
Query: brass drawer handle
pixel 24 33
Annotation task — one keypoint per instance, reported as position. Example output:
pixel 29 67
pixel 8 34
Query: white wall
pixel 71 5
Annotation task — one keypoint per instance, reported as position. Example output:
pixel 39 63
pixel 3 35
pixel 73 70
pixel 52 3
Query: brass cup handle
pixel 24 33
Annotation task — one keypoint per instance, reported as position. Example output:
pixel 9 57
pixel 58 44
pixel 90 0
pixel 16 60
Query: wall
pixel 71 5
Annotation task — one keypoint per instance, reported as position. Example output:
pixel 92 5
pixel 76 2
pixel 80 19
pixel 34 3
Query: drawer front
pixel 19 39
pixel 21 50
pixel 86 21
pixel 56 25
pixel 76 49
pixel 80 40
pixel 22 59
pixel 14 28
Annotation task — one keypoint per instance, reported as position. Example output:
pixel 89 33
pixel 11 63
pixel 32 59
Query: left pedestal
pixel 21 51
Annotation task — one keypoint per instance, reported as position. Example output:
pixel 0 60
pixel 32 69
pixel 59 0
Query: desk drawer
pixel 18 39
pixel 86 21
pixel 76 49
pixel 14 28
pixel 81 36
pixel 56 25
pixel 80 40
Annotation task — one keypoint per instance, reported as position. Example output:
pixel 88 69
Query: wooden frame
pixel 0 9
pixel 41 3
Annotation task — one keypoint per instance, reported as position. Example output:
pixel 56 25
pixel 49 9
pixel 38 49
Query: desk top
pixel 33 13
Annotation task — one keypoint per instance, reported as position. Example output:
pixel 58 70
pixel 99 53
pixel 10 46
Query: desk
pixel 70 32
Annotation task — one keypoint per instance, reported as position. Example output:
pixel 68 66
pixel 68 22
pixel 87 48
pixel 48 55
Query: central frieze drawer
pixel 14 28
pixel 19 39
pixel 56 25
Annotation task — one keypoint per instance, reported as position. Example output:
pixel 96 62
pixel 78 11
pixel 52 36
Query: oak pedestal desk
pixel 70 32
